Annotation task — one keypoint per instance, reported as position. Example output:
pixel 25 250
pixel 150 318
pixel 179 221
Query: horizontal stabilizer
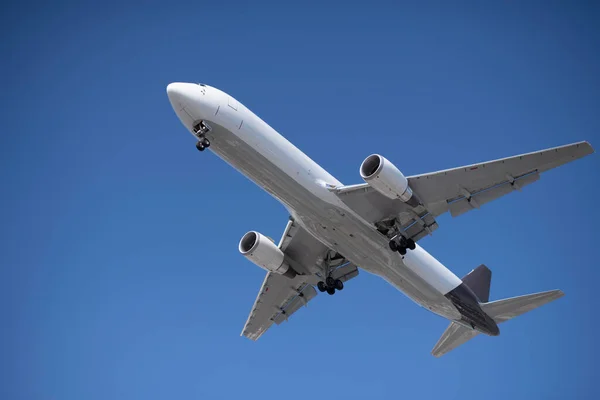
pixel 503 310
pixel 453 336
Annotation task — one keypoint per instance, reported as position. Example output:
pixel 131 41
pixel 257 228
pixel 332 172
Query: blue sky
pixel 119 271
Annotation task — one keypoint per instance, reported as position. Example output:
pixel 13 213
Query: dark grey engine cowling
pixel 263 252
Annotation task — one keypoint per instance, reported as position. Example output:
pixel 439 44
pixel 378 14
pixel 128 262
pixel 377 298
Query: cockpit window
pixel 201 84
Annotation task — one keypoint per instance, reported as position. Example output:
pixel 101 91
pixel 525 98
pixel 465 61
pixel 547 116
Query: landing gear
pixel 401 244
pixel 202 144
pixel 200 129
pixel 331 281
pixel 321 286
pixel 330 285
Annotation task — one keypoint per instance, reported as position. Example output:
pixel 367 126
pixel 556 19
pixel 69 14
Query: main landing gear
pixel 401 244
pixel 330 285
pixel 200 130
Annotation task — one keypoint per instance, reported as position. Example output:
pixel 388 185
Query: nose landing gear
pixel 200 130
pixel 202 144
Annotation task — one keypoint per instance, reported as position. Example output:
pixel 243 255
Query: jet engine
pixel 384 177
pixel 263 252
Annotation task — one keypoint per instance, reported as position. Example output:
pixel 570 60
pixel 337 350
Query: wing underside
pixel 457 190
pixel 462 189
pixel 279 297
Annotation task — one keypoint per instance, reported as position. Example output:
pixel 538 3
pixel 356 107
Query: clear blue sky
pixel 119 271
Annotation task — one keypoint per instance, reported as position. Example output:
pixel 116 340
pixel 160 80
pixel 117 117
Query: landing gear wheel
pixel 339 285
pixel 402 251
pixel 200 146
pixel 330 282
pixel 321 286
pixel 393 245
pixel 411 244
pixel 402 242
pixel 330 290
pixel 205 142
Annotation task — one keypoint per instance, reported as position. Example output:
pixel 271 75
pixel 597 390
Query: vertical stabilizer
pixel 479 281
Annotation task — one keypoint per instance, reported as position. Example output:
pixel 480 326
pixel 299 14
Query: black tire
pixel 331 291
pixel 339 285
pixel 200 146
pixel 330 282
pixel 393 245
pixel 411 244
pixel 402 251
pixel 206 142
pixel 321 286
pixel 403 242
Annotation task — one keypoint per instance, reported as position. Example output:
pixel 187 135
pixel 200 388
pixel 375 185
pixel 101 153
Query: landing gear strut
pixel 401 244
pixel 200 129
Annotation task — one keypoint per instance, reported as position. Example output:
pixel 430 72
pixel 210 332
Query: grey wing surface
pixel 462 189
pixel 457 190
pixel 279 297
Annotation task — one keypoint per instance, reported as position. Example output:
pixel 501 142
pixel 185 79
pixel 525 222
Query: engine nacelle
pixel 263 252
pixel 384 177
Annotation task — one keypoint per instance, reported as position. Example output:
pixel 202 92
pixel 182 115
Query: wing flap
pixel 463 204
pixel 274 295
pixel 295 303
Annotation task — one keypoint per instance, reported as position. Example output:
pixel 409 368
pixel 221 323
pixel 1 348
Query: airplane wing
pixel 458 190
pixel 279 297
pixel 462 189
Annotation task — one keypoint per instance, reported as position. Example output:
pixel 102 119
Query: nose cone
pixel 180 94
pixel 193 102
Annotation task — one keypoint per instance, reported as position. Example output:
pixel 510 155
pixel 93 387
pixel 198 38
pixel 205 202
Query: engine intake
pixel 384 177
pixel 263 252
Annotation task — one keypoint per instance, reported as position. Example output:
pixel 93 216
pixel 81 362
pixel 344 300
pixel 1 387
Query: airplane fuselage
pixel 255 149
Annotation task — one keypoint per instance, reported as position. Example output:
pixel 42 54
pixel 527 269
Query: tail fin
pixel 479 281
pixel 503 310
pixel 453 336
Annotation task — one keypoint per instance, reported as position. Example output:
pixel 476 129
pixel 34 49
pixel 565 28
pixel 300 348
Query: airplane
pixel 334 229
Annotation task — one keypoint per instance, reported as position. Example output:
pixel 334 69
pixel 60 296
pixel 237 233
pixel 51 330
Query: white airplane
pixel 334 229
